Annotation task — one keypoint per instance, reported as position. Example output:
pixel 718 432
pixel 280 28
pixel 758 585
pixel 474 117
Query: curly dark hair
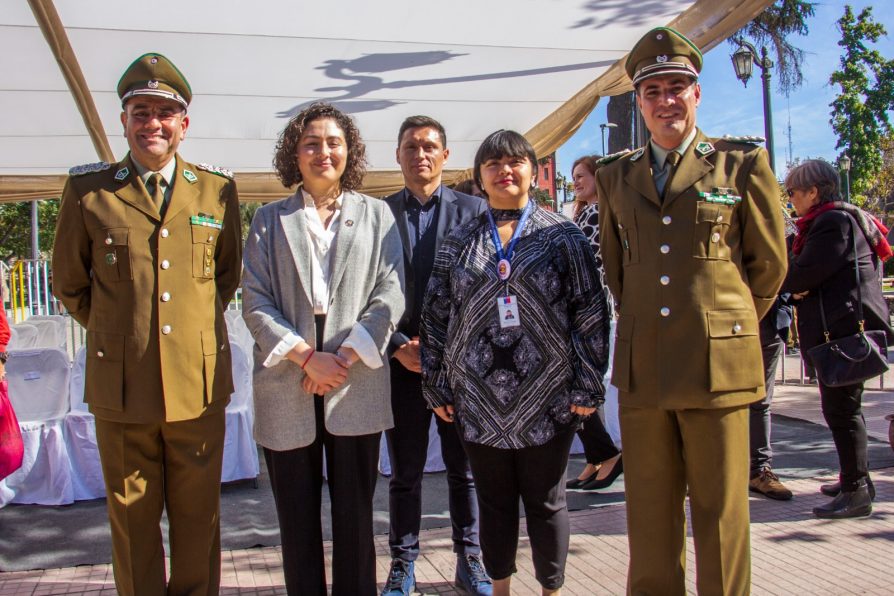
pixel 285 160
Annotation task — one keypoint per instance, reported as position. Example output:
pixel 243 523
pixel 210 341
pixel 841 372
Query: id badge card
pixel 507 309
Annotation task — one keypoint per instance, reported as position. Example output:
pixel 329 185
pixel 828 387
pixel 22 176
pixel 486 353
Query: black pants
pixel 537 475
pixel 842 409
pixel 296 477
pixel 407 450
pixel 759 412
pixel 598 444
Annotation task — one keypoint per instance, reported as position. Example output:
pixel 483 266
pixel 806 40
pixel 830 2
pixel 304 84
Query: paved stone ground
pixel 792 552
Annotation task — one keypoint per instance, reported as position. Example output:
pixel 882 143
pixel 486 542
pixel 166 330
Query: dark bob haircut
pixel 818 173
pixel 422 122
pixel 285 160
pixel 500 144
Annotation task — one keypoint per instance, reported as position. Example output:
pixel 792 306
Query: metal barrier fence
pixel 30 290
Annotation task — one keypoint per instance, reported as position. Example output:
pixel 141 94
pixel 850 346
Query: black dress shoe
pixel 595 484
pixel 848 503
pixel 832 490
pixel 577 482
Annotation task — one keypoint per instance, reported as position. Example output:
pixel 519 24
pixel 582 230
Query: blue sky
pixel 729 108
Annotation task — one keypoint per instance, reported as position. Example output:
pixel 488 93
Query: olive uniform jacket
pixel 150 291
pixel 693 273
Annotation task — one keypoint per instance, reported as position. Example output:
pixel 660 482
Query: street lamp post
pixel 844 164
pixel 743 58
pixel 603 126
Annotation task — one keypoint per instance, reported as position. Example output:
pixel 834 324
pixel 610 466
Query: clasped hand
pixel 325 372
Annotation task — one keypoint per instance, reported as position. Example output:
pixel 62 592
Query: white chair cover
pixel 238 330
pixel 50 331
pixel 38 389
pixel 240 457
pixel 80 438
pixel 24 336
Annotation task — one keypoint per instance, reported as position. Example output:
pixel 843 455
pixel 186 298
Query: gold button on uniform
pixel 715 237
pixel 166 329
pixel 666 220
pixel 164 233
pixel 100 354
pixel 665 248
pixel 165 296
pixel 166 264
pixel 108 239
pixel 665 311
pixel 664 280
pixel 736 328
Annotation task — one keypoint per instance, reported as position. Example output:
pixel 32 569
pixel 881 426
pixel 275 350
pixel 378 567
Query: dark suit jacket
pixel 454 209
pixel 827 262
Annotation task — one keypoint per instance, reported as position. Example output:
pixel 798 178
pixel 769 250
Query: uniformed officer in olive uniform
pixel 147 255
pixel 694 253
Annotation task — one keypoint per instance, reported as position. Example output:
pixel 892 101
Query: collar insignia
pixel 704 148
pixel 191 177
pixel 637 154
pixel 121 174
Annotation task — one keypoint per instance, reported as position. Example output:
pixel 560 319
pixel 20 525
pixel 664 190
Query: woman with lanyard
pixel 514 345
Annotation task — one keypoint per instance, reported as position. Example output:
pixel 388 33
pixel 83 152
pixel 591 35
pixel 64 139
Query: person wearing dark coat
pixel 822 267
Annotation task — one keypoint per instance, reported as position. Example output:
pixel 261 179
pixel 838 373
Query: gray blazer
pixel 366 285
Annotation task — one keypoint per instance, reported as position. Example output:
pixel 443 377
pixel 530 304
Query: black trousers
pixel 296 477
pixel 537 476
pixel 598 444
pixel 759 412
pixel 843 411
pixel 407 450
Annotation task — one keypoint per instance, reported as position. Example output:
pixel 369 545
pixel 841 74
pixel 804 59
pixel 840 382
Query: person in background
pixel 468 187
pixel 146 257
pixel 322 293
pixel 425 211
pixel 604 463
pixel 822 268
pixel 773 327
pixel 692 243
pixel 514 347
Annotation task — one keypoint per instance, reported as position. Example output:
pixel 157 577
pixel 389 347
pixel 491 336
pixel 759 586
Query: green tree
pixel 15 228
pixel 860 110
pixel 772 28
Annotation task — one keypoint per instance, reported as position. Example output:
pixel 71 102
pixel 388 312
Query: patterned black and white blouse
pixel 513 388
pixel 587 219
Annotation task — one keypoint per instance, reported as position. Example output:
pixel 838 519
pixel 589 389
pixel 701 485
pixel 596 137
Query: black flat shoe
pixel 608 480
pixel 578 483
pixel 848 503
pixel 832 490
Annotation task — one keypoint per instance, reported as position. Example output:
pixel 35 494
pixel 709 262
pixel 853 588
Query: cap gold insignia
pixel 152 84
pixel 659 36
pixel 121 174
pixel 661 58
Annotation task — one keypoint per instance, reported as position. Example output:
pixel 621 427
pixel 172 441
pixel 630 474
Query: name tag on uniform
pixel 507 308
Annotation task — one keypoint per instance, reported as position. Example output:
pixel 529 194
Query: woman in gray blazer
pixel 323 291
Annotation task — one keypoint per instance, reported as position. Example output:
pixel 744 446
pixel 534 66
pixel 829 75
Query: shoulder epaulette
pixel 89 168
pixel 744 139
pixel 612 157
pixel 215 170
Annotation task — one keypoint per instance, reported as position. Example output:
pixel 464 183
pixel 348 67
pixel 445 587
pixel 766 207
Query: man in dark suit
pixel 426 211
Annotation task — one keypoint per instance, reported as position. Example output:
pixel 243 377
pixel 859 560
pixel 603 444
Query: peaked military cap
pixel 663 51
pixel 153 74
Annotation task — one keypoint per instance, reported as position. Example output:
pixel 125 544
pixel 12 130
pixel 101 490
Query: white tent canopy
pixel 529 65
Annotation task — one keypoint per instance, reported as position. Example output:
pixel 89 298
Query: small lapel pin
pixel 349 223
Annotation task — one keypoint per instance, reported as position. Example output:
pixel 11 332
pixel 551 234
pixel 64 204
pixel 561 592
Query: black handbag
pixel 855 358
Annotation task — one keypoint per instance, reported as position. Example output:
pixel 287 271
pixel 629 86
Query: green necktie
pixel 158 195
pixel 673 158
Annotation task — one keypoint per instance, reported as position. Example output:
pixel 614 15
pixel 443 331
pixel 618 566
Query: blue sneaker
pixel 401 579
pixel 471 578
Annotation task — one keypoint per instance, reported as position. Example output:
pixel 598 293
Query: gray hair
pixel 818 173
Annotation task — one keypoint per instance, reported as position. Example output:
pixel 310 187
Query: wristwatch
pixel 4 357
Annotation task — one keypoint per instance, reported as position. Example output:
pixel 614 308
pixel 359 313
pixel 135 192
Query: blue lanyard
pixel 498 246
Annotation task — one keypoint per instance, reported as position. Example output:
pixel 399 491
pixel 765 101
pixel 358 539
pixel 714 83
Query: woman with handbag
pixel 834 275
